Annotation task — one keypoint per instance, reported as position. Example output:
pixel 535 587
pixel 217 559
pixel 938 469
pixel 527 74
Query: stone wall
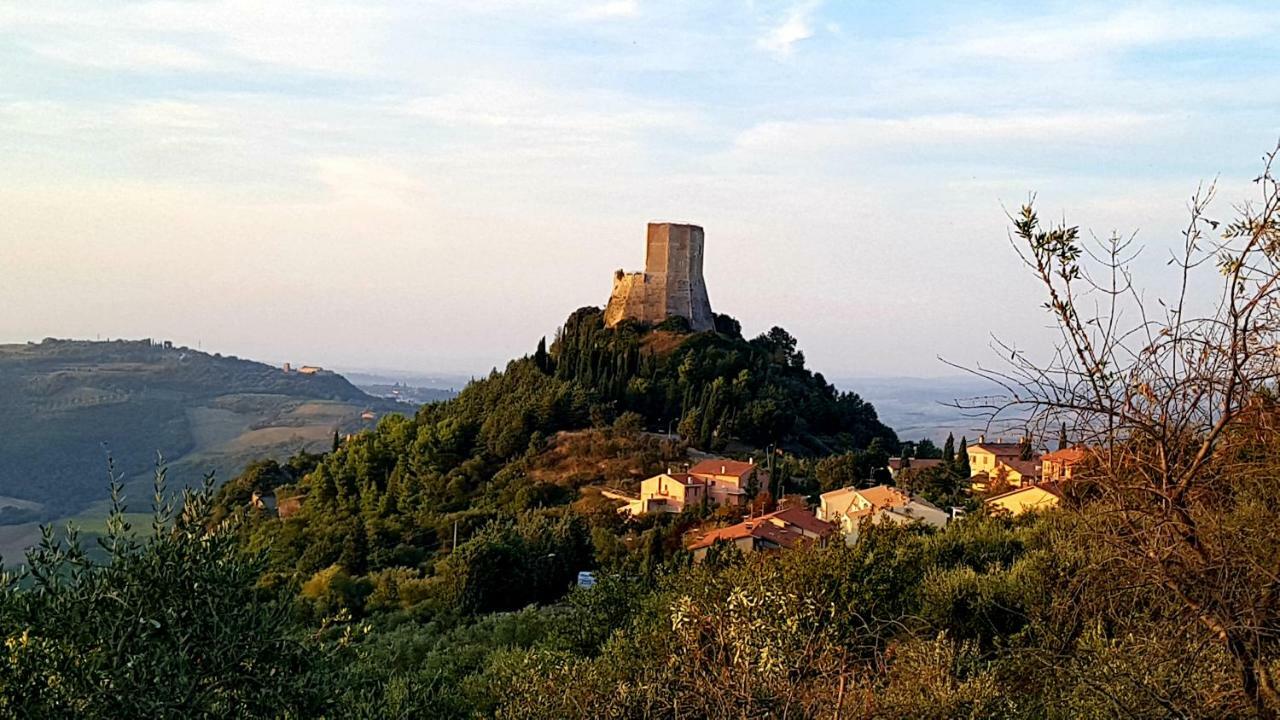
pixel 671 284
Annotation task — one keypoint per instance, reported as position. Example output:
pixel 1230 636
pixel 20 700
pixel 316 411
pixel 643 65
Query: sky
pixel 432 186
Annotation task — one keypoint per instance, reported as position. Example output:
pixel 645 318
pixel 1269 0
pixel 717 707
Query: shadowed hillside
pixel 68 404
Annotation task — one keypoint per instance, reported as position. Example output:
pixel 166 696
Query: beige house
pixel 848 507
pixel 728 480
pixel 668 492
pixel 985 457
pixel 1026 499
pixel 1009 474
pixel 786 528
pixel 716 482
pixel 1058 466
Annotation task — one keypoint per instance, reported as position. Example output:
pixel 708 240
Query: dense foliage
pixel 715 386
pixel 170 626
pixel 495 470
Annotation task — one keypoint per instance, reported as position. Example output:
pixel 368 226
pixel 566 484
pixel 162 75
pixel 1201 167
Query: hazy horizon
pixel 382 185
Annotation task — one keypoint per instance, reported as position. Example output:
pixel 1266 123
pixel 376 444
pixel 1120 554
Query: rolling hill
pixel 68 405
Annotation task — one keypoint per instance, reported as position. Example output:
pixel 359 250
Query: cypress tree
pixel 962 458
pixel 540 357
pixel 949 450
pixel 1062 437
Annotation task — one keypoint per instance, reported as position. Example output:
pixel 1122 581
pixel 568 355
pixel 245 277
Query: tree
pixel 540 357
pixel 949 451
pixel 926 450
pixel 173 624
pixel 1062 437
pixel 962 459
pixel 1181 406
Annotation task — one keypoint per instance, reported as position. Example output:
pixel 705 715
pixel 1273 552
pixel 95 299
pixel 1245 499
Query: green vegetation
pixel 500 467
pixel 425 568
pixel 170 626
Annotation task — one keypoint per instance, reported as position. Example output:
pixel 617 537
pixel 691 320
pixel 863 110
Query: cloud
pixel 852 143
pixel 1084 35
pixel 795 27
pixel 95 52
pixel 310 35
pixel 608 10
pixel 370 182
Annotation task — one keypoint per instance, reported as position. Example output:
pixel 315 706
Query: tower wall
pixel 671 284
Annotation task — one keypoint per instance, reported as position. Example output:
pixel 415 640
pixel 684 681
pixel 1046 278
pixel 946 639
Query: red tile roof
pixel 803 519
pixel 788 534
pixel 1069 456
pixel 1001 449
pixel 1051 488
pixel 721 466
pixel 882 496
pixel 1027 468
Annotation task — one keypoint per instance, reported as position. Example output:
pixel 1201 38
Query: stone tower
pixel 671 283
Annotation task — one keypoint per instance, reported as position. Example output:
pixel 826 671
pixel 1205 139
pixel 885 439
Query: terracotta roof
pixel 1001 449
pixel 1028 468
pixel 1051 488
pixel 1068 456
pixel 685 478
pixel 783 528
pixel 722 466
pixel 801 518
pixel 831 494
pixel 915 464
pixel 757 528
pixel 884 496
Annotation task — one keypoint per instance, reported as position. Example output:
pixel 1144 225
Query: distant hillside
pixel 67 404
pixel 923 407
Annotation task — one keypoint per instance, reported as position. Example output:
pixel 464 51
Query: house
pixel 848 507
pixel 1025 499
pixel 913 465
pixel 716 481
pixel 309 369
pixel 669 492
pixel 728 481
pixel 782 529
pixel 1009 474
pixel 1058 465
pixel 985 456
pixel 368 416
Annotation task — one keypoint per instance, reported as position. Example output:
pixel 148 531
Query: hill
pixel 924 407
pixel 69 404
pixel 525 441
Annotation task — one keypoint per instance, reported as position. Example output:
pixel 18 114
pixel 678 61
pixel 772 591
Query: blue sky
pixel 434 185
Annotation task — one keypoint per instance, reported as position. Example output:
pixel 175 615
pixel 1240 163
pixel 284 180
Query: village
pixel 1009 478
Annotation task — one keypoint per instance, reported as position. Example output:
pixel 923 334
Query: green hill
pixel 68 405
pixel 510 443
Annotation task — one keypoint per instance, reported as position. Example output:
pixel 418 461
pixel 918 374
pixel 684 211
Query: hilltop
pixel 601 406
pixel 70 403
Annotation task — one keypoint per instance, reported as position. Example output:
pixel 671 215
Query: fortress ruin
pixel 670 285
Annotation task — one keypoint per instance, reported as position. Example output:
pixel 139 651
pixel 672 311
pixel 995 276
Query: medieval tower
pixel 671 283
